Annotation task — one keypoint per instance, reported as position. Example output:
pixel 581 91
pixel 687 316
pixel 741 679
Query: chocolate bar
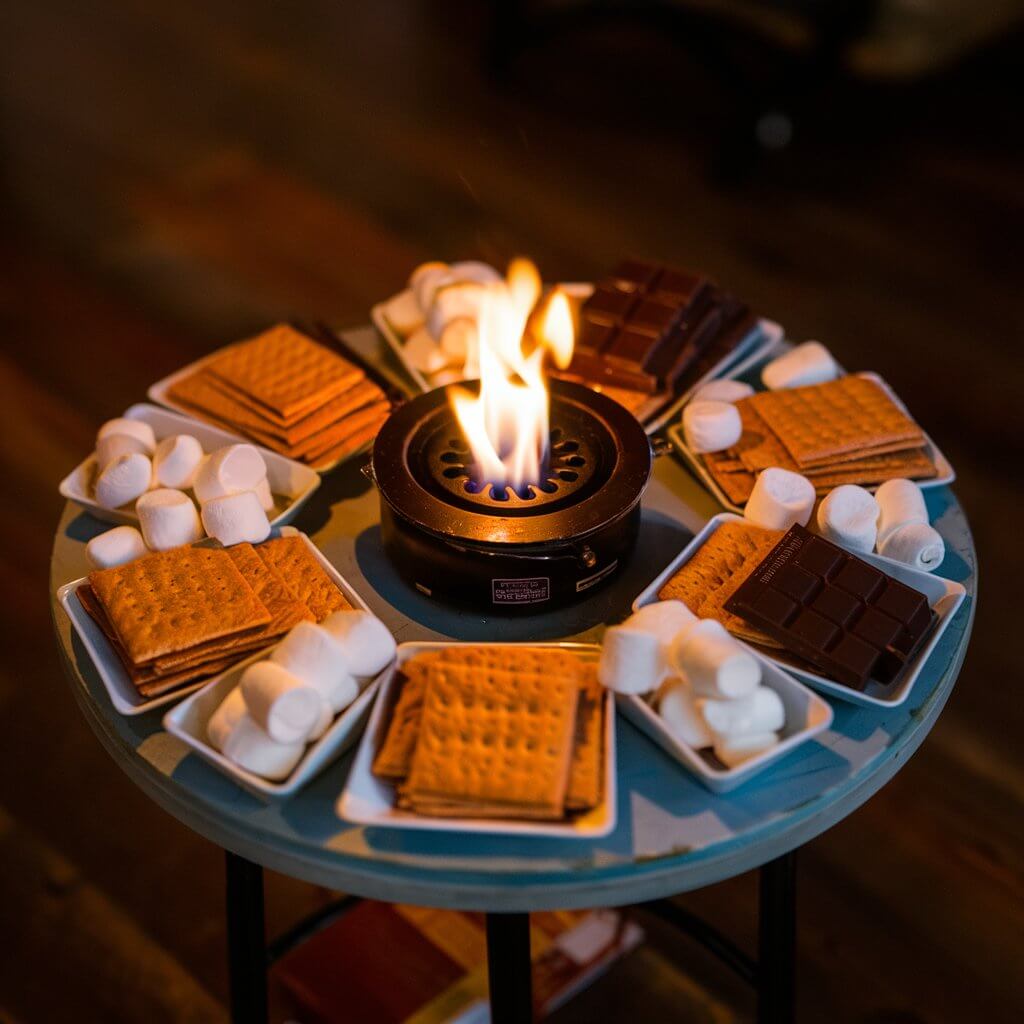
pixel 844 616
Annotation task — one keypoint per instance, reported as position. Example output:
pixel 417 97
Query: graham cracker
pixel 348 446
pixel 169 601
pixel 587 766
pixel 304 575
pixel 394 757
pixel 336 433
pixel 270 587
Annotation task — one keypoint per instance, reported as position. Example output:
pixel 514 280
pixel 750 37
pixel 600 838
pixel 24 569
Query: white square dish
pixel 123 695
pixel 291 483
pixel 806 716
pixel 944 596
pixel 367 800
pixel 188 721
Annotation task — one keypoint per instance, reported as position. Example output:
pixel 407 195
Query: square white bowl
pixel 945 474
pixel 291 483
pixel 367 800
pixel 188 721
pixel 123 695
pixel 806 716
pixel 944 596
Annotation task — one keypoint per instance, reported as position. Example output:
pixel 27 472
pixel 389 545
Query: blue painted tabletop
pixel 672 834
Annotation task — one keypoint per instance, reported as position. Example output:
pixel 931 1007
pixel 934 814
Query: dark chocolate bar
pixel 847 618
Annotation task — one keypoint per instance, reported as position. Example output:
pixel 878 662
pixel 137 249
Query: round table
pixel 672 834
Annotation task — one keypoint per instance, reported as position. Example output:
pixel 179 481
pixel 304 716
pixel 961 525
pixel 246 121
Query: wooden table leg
pixel 776 986
pixel 247 949
pixel 508 968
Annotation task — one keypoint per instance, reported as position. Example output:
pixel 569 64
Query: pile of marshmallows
pixel 230 485
pixel 438 314
pixel 706 685
pixel 894 521
pixel 289 700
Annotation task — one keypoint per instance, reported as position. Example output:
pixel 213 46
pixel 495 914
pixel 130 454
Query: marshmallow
pixel 324 722
pixel 475 270
pixel 312 654
pixel 403 313
pixel 252 749
pixel 426 279
pixel 265 495
pixel 734 751
pixel 809 363
pixel 367 643
pixel 458 340
pixel 723 391
pixel 283 706
pixel 715 663
pixel 229 470
pixel 451 301
pixel 124 480
pixel 899 502
pixel 663 619
pixel 225 718
pixel 848 516
pixel 632 661
pixel 113 446
pixel 236 518
pixel 168 519
pixel 711 426
pixel 759 712
pixel 916 544
pixel 679 712
pixel 141 431
pixel 423 353
pixel 115 547
pixel 779 499
pixel 176 461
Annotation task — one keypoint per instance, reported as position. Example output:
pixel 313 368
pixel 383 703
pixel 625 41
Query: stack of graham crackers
pixel 846 431
pixel 288 393
pixel 496 732
pixel 177 616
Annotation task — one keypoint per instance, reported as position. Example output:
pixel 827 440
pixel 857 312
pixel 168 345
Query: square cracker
pixel 394 757
pixel 586 768
pixel 169 601
pixel 304 575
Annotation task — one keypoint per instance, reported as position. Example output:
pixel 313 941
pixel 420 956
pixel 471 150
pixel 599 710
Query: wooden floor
pixel 174 175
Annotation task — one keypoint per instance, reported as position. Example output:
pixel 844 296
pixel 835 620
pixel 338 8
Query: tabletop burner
pixel 463 540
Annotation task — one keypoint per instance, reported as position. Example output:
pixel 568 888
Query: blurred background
pixel 173 176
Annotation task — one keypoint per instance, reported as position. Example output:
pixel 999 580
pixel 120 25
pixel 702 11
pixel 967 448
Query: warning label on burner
pixel 528 591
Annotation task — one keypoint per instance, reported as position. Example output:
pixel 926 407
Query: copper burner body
pixel 462 541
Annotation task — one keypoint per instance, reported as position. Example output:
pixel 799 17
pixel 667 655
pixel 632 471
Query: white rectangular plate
pixel 367 800
pixel 188 721
pixel 291 483
pixel 943 595
pixel 806 715
pixel 123 695
pixel 944 475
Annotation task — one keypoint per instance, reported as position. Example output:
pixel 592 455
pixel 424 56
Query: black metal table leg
pixel 776 987
pixel 508 968
pixel 247 952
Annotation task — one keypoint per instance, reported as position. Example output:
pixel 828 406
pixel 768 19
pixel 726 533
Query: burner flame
pixel 506 425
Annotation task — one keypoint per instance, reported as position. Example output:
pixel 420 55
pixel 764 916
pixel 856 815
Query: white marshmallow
pixel 311 654
pixel 723 391
pixel 458 340
pixel 916 544
pixel 225 718
pixel 715 663
pixel 176 461
pixel 423 353
pixel 366 642
pixel 229 470
pixel 118 546
pixel 809 363
pixel 899 502
pixel 168 519
pixel 711 426
pixel 848 516
pixel 451 301
pixel 324 722
pixel 426 279
pixel 734 751
pixel 265 495
pixel 252 749
pixel 124 480
pixel 282 705
pixel 759 712
pixel 664 619
pixel 113 446
pixel 141 431
pixel 236 518
pixel 678 709
pixel 403 313
pixel 779 499
pixel 476 270
pixel 632 661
